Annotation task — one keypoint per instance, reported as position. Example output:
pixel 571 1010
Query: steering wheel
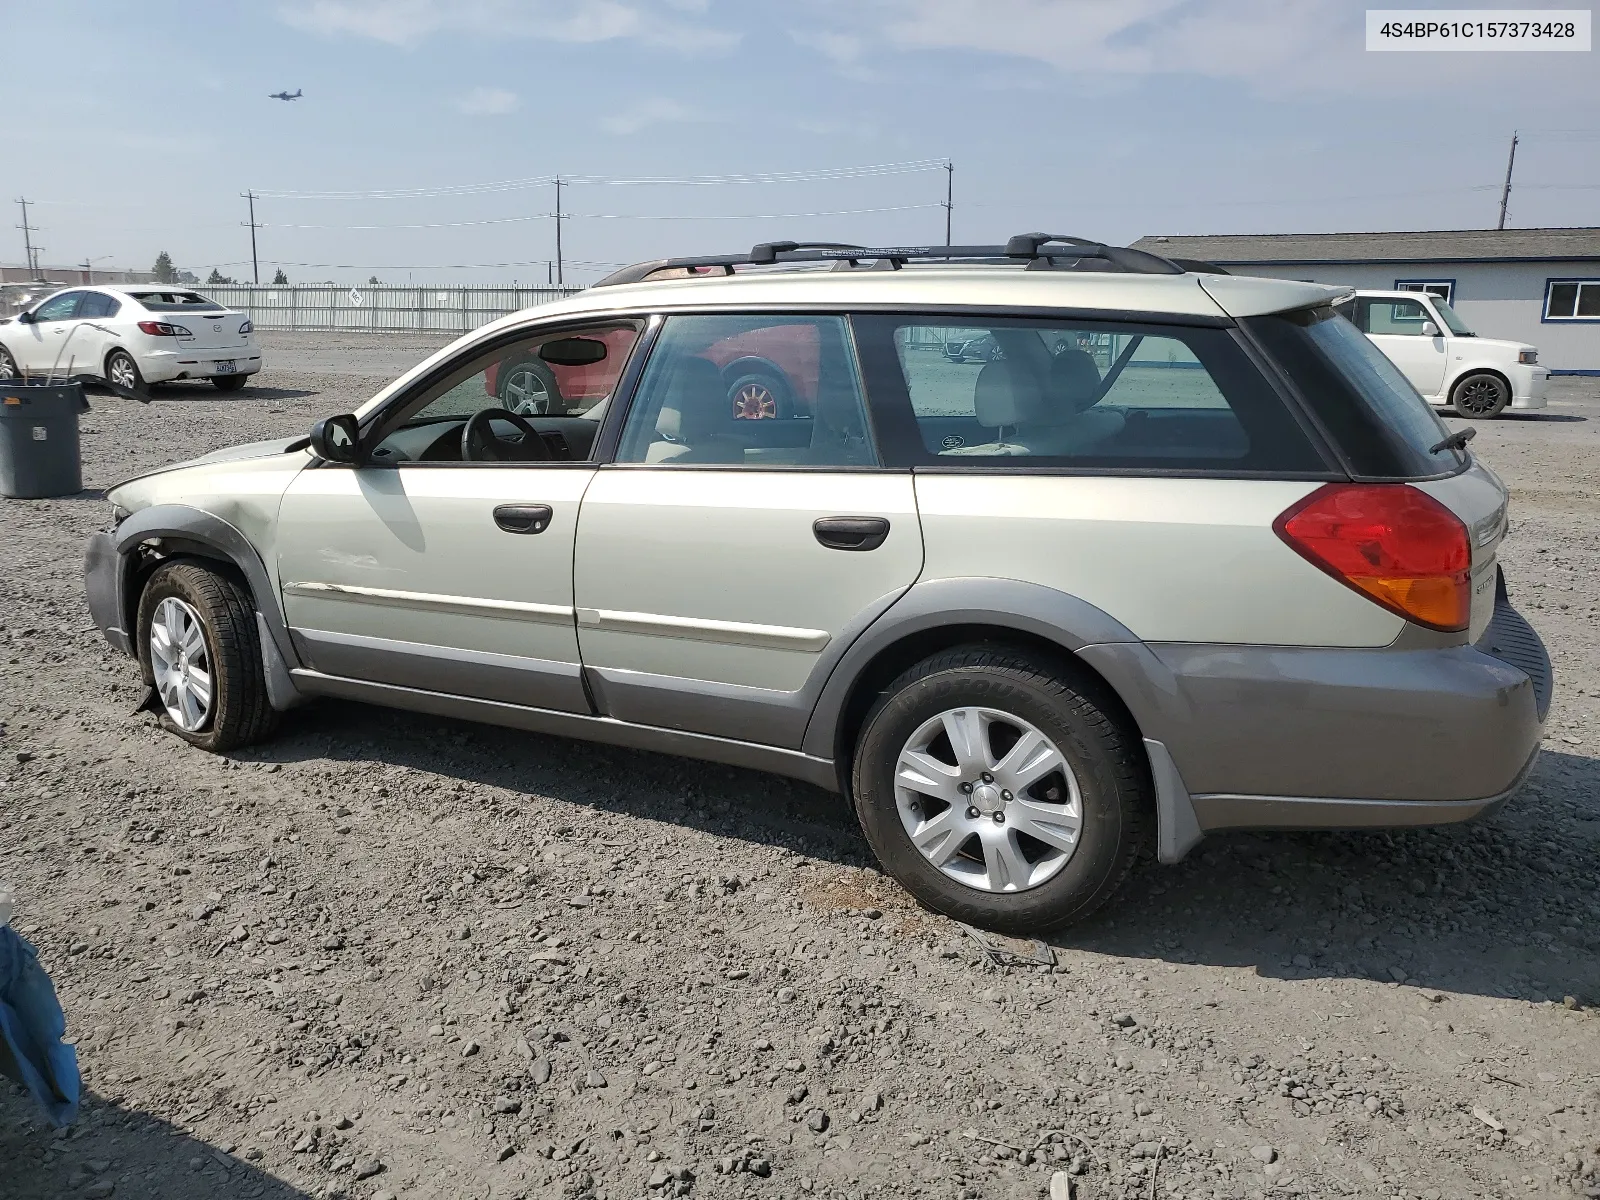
pixel 480 443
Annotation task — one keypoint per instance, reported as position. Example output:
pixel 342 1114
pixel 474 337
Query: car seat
pixel 696 419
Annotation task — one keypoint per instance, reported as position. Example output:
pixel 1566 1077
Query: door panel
pixel 718 576
pixel 46 336
pixel 402 575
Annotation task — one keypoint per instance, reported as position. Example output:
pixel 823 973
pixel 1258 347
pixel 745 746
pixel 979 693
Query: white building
pixel 1540 286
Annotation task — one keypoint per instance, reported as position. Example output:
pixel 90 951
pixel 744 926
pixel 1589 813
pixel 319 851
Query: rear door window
pixel 1078 394
pixel 98 304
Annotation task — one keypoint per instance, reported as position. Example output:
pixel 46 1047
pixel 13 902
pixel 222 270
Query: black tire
pixel 1480 395
pixel 1106 759
pixel 229 383
pixel 518 386
pixel 239 711
pixel 759 395
pixel 121 362
pixel 8 365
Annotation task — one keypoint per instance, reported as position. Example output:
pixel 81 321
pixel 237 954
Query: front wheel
pixel 1481 395
pixel 199 647
pixel 999 792
pixel 229 383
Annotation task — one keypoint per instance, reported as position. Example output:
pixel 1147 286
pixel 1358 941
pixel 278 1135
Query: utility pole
pixel 27 239
pixel 255 264
pixel 560 280
pixel 1505 192
pixel 949 197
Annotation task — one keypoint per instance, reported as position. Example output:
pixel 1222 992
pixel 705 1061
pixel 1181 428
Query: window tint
pixel 1377 418
pixel 1092 395
pixel 1404 317
pixel 98 304
pixel 558 380
pixel 59 308
pixel 749 391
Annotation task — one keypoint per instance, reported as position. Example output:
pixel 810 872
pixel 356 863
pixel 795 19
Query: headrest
pixel 697 405
pixel 1006 394
pixel 1074 382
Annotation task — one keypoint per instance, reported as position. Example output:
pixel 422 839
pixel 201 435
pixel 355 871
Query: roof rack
pixel 1040 251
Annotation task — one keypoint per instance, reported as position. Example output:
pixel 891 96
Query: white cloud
pixel 647 113
pixel 487 102
pixel 410 22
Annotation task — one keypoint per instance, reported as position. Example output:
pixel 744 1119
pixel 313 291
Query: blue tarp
pixel 31 1027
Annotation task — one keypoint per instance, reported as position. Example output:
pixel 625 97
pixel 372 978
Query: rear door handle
pixel 851 533
pixel 523 518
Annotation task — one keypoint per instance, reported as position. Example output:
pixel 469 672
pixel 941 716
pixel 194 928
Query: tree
pixel 280 278
pixel 164 271
pixel 217 276
pixel 188 278
pixel 374 282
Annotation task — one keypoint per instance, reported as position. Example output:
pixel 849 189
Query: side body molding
pixel 181 528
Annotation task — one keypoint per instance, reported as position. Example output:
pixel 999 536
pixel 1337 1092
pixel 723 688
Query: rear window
pixel 176 302
pixel 1384 427
pixel 1028 393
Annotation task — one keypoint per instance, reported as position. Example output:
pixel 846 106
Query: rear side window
pixel 1014 393
pixel 98 304
pixel 176 302
pixel 1374 415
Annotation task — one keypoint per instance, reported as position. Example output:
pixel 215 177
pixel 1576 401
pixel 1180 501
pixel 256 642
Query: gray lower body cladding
pixel 1433 725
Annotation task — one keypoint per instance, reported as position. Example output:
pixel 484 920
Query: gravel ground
pixel 387 955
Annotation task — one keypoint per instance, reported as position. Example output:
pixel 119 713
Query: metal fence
pixel 378 309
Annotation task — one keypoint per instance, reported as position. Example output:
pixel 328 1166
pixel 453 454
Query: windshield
pixel 1384 427
pixel 1452 319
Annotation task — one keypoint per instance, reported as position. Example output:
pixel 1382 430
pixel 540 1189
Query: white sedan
pixel 131 334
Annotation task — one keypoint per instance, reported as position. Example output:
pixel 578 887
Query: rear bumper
pixel 163 366
pixel 1288 737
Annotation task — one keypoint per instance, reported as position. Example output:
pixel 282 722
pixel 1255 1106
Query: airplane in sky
pixel 285 95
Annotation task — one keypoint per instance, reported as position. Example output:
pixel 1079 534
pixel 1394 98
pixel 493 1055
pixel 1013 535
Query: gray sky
pixel 1102 118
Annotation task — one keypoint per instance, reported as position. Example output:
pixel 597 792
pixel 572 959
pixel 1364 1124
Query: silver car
pixel 1189 554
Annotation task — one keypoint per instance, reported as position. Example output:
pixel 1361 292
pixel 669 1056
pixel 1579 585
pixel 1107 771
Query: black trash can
pixel 39 439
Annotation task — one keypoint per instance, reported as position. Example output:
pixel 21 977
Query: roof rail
pixel 1040 251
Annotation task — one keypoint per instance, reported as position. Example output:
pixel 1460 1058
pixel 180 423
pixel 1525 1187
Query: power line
pixel 823 174
pixel 27 238
pixel 255 266
pixel 566 216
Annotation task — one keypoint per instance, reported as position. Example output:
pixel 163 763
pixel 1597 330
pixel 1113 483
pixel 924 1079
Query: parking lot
pixel 387 954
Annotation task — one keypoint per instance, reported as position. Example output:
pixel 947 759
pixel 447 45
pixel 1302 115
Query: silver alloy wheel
pixel 988 799
pixel 122 372
pixel 525 393
pixel 8 365
pixel 181 664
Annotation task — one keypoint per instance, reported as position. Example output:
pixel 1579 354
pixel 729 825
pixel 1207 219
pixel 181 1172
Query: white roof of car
pixel 940 291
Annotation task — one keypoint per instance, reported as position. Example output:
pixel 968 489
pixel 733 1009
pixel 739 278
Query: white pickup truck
pixel 1444 360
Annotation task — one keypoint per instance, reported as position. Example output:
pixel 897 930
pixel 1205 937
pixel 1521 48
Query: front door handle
pixel 523 518
pixel 851 533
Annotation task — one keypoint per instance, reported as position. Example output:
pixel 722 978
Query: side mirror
pixel 337 439
pixel 25 318
pixel 1429 329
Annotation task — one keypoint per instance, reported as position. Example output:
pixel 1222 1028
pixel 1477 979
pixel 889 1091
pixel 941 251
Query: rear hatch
pixel 1386 432
pixel 210 326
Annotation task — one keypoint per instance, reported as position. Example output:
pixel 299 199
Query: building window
pixel 1572 300
pixel 1442 289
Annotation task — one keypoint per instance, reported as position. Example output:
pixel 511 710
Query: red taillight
pixel 1391 542
pixel 162 329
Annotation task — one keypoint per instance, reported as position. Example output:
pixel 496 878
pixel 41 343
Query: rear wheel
pixel 198 645
pixel 8 365
pixel 229 383
pixel 1481 395
pixel 123 371
pixel 999 792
